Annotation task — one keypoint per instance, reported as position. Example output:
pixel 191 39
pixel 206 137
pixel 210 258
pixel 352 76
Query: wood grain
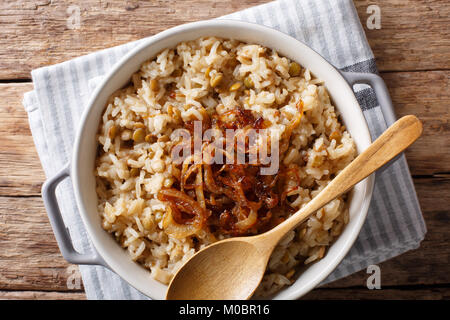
pixel 41 295
pixel 414 40
pixel 427 95
pixel 29 256
pixel 20 171
pixel 317 294
pixel 429 263
pixel 414 34
pixel 438 293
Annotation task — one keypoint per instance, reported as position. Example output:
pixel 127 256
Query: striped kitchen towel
pixel 394 223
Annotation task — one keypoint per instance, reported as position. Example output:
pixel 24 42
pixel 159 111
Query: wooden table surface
pixel 413 55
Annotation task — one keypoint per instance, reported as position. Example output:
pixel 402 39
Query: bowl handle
pixel 59 228
pixel 381 92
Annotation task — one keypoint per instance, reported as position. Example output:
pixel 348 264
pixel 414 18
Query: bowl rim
pixel 172 32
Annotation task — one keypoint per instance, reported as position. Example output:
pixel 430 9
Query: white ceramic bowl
pixel 84 153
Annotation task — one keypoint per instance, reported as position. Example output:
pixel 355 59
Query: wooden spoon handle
pixel 392 142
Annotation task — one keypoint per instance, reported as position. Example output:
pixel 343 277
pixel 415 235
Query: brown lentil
pixel 294 69
pixel 139 135
pixel 248 82
pixel 138 125
pixel 216 80
pixel 112 132
pixel 235 86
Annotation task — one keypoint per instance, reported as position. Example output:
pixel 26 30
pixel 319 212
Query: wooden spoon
pixel 233 268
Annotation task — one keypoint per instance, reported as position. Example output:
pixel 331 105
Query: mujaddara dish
pixel 163 209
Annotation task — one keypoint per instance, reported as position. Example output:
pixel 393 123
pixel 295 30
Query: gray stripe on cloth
pixel 63 100
pixel 332 37
pixel 305 32
pixel 408 186
pixel 55 126
pixel 386 173
pixel 366 99
pixel 360 47
pixel 289 25
pixel 324 50
pixel 391 184
pixel 362 66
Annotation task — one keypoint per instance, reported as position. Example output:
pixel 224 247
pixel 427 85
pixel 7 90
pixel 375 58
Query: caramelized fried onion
pixel 185 217
pixel 230 198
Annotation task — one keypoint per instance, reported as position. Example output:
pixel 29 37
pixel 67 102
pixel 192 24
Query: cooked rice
pixel 176 87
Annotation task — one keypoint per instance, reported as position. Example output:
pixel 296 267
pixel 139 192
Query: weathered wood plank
pixel 426 265
pixel 41 295
pixel 382 294
pixel 44 29
pixel 425 94
pixel 414 34
pixel 433 293
pixel 419 266
pixel 30 258
pixel 21 172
